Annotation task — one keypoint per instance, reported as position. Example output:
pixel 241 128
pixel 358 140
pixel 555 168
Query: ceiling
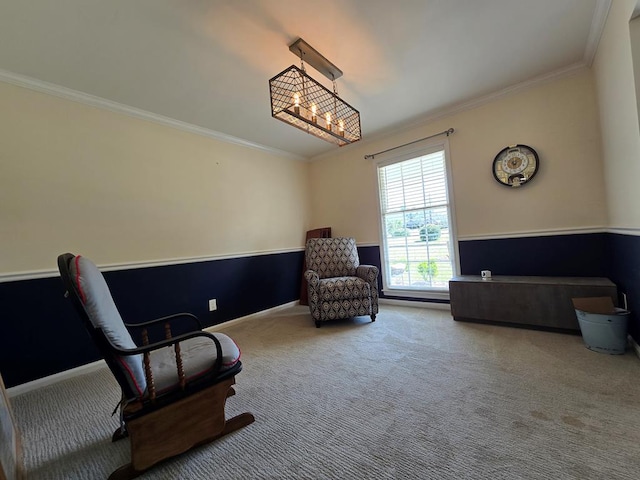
pixel 207 62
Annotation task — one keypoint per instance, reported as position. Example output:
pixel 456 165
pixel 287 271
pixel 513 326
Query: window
pixel 418 242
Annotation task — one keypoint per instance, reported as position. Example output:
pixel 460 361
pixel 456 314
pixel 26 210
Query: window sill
pixel 424 294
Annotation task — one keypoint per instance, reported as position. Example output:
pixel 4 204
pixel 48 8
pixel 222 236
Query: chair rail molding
pixel 536 233
pixel 29 275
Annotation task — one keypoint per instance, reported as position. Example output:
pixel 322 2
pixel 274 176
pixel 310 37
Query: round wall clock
pixel 515 165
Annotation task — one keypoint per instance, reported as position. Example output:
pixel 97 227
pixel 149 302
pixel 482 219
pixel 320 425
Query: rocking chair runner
pixel 173 390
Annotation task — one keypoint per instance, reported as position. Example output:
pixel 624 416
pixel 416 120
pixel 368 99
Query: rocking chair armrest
pixel 167 343
pixel 166 319
pixel 145 351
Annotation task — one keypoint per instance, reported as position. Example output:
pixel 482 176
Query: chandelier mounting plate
pixel 314 58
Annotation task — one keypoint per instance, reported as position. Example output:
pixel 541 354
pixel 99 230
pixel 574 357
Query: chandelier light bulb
pixel 314 113
pixel 327 117
pixel 296 102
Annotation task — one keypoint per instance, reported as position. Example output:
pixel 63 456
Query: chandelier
pixel 300 101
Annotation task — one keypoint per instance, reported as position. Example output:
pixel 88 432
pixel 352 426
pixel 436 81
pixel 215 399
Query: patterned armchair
pixel 339 287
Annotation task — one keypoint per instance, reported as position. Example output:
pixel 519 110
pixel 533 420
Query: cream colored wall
pixel 634 33
pixel 120 189
pixel 559 119
pixel 613 67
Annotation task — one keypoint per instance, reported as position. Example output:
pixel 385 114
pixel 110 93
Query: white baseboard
pixel 93 366
pixel 55 378
pixel 262 313
pixel 635 346
pixel 409 303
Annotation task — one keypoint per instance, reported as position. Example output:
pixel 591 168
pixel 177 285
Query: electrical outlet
pixel 213 304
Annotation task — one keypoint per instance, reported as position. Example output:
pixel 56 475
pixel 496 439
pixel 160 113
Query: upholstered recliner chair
pixel 174 386
pixel 339 287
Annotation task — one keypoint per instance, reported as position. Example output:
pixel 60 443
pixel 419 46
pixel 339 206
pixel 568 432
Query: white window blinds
pixel 417 239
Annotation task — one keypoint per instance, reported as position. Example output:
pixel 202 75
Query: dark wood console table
pixel 540 302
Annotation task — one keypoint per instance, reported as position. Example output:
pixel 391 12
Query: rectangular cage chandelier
pixel 300 101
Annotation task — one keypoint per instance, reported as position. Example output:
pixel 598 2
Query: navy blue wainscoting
pixel 579 255
pixel 42 334
pixel 625 272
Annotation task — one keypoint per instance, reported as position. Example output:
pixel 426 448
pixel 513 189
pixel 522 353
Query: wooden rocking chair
pixel 174 389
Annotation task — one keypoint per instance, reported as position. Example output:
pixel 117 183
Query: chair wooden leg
pixel 236 423
pixel 318 323
pixel 125 472
pixel 119 434
pixel 373 317
pixel 179 427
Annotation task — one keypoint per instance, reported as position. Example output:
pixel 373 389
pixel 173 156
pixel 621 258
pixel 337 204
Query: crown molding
pixel 492 97
pixel 598 22
pixel 465 106
pixel 636 10
pixel 104 104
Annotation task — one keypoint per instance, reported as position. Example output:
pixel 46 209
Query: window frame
pixel 427 148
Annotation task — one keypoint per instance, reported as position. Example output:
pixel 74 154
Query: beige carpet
pixel 413 395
